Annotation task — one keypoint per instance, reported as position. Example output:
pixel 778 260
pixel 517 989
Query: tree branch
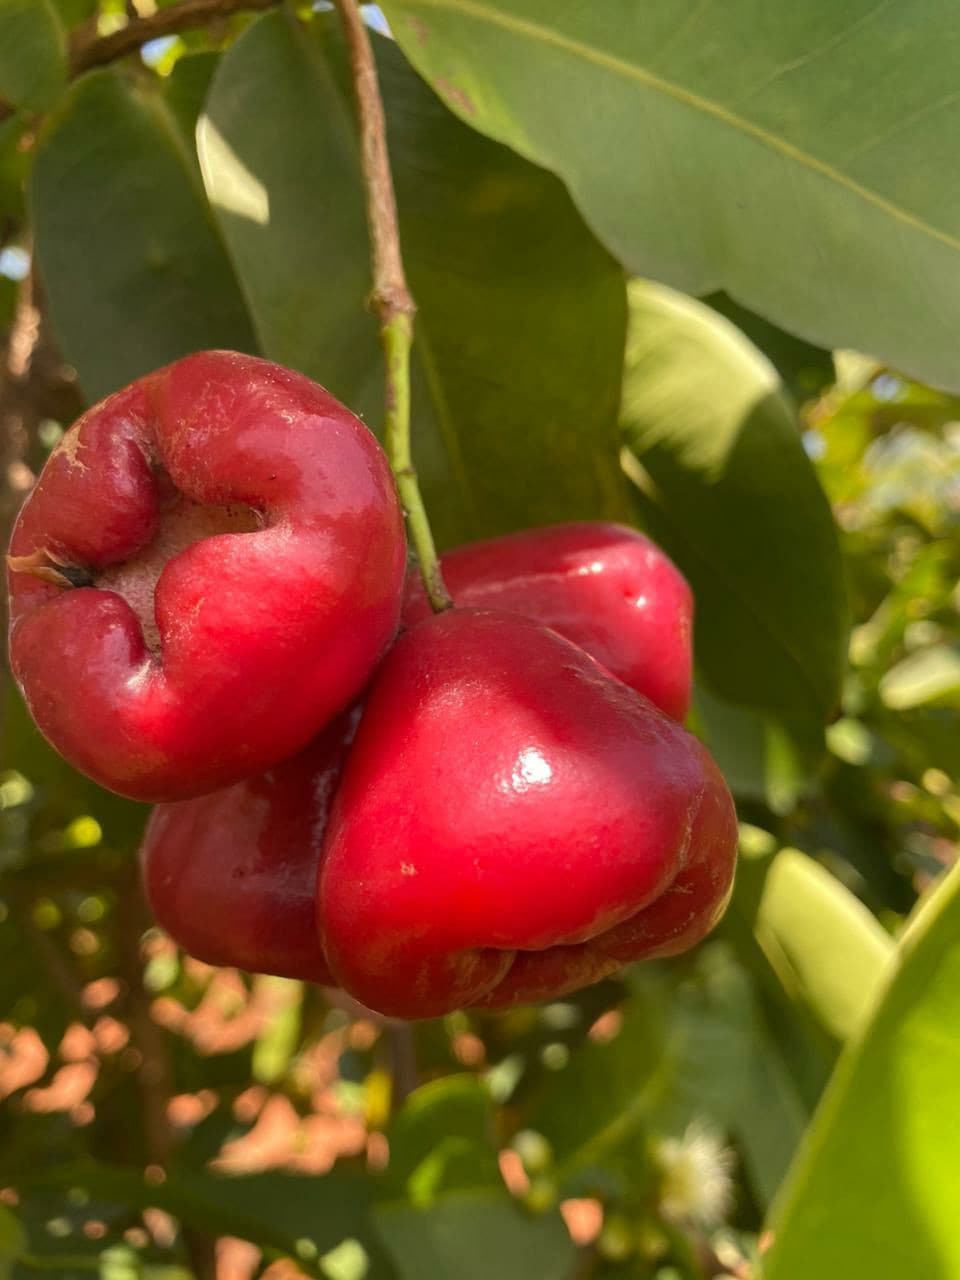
pixel 391 297
pixel 87 52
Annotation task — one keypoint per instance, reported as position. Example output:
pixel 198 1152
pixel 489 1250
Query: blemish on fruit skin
pixel 407 869
pixel 69 447
pixel 456 96
pixel 419 29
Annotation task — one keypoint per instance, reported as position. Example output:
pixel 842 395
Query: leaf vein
pixel 577 48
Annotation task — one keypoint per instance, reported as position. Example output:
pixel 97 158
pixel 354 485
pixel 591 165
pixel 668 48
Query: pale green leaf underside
pixel 801 158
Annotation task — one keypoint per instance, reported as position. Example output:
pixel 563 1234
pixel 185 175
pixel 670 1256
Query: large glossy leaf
pixel 873 1191
pixel 135 271
pixel 33 53
pixel 724 484
pixel 521 313
pixel 712 146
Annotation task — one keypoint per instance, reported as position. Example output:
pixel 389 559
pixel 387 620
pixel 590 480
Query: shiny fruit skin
pixel 513 823
pixel 243 645
pixel 254 848
pixel 232 876
pixel 607 588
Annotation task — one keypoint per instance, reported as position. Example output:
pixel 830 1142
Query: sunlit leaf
pixel 713 148
pixel 724 484
pixel 922 678
pixel 835 954
pixel 873 1191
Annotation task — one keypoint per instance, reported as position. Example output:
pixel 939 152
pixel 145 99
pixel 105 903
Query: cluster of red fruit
pixel 498 806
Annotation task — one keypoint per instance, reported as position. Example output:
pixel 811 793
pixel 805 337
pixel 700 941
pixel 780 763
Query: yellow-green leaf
pixel 873 1191
pixel 823 941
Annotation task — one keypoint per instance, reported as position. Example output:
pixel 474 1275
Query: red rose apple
pixel 232 876
pixel 206 573
pixel 250 853
pixel 605 587
pixel 513 823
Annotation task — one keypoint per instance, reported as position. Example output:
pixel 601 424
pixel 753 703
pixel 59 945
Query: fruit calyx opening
pixel 182 523
pixel 49 567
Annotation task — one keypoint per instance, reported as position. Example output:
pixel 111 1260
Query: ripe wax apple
pixel 207 572
pixel 254 848
pixel 605 587
pixel 232 876
pixel 513 823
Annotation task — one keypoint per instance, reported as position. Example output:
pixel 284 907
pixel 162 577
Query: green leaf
pixel 14 166
pixel 33 53
pixel 806 370
pixel 926 737
pixel 873 1190
pixel 615 1082
pixel 474 1237
pixel 770 1116
pixel 714 149
pixel 303 1217
pixel 293 214
pixel 135 272
pixel 926 677
pixel 824 941
pixel 185 91
pixel 759 759
pixel 13 1240
pixel 521 314
pixel 785 1022
pixel 684 1050
pixel 724 485
pixel 442 1141
pixel 73 12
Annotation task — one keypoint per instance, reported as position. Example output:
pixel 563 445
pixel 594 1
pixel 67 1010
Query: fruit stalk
pixel 391 298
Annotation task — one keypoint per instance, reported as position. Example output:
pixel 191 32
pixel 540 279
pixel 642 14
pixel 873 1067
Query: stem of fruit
pixel 391 299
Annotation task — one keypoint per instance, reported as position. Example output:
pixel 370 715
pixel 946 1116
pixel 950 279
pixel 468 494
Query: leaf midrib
pixel 627 70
